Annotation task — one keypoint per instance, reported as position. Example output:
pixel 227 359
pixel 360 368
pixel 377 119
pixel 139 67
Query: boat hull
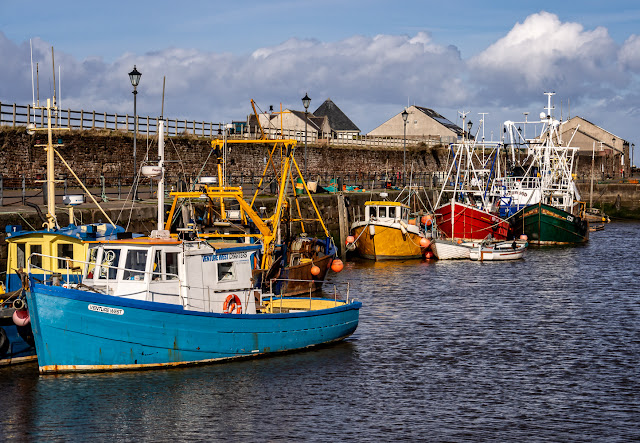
pixel 450 250
pixel 546 225
pixel 499 251
pixel 387 243
pixel 470 223
pixel 81 331
pixel 16 346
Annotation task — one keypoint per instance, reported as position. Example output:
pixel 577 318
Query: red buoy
pixel 315 270
pixel 350 239
pixel 424 242
pixel 337 265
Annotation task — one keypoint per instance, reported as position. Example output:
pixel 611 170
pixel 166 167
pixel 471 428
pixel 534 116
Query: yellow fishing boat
pixel 388 233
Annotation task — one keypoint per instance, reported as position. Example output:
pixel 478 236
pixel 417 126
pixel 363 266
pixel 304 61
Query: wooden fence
pixel 20 115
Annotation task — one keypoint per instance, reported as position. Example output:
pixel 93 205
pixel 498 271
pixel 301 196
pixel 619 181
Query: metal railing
pixel 21 115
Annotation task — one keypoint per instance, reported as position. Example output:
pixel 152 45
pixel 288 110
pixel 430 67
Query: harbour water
pixel 542 349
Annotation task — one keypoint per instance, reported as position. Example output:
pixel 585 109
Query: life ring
pixel 232 303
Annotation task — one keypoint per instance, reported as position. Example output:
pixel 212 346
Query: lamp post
pixel 306 101
pixel 405 115
pixel 134 76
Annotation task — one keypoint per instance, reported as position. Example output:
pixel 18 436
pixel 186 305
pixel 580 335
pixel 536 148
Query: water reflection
pixel 545 348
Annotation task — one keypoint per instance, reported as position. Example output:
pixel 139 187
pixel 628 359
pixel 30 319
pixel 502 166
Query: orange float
pixel 337 265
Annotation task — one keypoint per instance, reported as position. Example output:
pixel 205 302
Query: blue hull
pixel 80 331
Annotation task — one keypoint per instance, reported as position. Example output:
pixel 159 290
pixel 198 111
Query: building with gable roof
pixel 422 123
pixel 341 127
pixel 610 153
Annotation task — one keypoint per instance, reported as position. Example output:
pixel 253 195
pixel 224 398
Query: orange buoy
pixel 424 242
pixel 337 265
pixel 423 220
pixel 412 221
pixel 524 237
pixel 428 223
pixel 350 239
pixel 315 270
pixel 459 241
pixel 429 254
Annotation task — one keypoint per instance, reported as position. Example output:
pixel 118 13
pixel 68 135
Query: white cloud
pixel 630 54
pixel 369 78
pixel 542 53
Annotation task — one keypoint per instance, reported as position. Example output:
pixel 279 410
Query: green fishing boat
pixel 547 225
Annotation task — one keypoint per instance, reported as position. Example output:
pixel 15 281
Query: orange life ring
pixel 232 303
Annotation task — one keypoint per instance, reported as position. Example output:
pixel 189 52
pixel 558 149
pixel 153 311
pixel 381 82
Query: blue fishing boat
pixel 162 302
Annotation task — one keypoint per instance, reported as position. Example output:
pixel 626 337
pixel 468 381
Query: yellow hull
pixel 387 243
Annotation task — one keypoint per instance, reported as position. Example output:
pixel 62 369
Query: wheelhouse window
pixel 110 261
pixel 21 253
pixel 226 271
pixel 157 266
pixel 36 260
pixel 392 212
pixel 135 265
pixel 65 250
pixel 373 211
pixel 91 266
pixel 172 265
pixel 382 212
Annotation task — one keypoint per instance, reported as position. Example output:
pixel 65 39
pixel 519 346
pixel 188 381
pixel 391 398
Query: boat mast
pixel 52 222
pixel 161 181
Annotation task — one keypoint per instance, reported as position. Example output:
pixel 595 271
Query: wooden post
pixel 342 221
pixel 1 191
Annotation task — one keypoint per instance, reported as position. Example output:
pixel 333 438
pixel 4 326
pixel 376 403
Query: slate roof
pixel 440 119
pixel 338 121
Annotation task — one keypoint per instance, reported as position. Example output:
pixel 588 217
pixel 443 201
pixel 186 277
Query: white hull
pixel 499 251
pixel 451 250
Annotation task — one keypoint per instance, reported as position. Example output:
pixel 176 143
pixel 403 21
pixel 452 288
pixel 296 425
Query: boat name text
pixel 106 310
pixel 224 257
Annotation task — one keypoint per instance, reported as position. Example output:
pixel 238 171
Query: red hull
pixel 470 223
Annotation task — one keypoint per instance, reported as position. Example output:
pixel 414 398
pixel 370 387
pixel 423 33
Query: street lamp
pixel 306 101
pixel 405 115
pixel 134 76
pixel 469 125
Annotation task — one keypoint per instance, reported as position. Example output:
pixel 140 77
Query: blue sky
pixel 370 57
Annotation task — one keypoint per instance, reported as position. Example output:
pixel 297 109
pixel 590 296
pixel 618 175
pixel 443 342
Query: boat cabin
pixel 386 211
pixel 58 251
pixel 195 275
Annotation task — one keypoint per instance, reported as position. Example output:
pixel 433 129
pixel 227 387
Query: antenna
pixel 38 82
pixel 53 64
pixel 33 92
pixel 162 111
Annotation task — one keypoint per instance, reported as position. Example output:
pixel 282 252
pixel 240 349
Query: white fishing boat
pixel 501 250
pixel 451 249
